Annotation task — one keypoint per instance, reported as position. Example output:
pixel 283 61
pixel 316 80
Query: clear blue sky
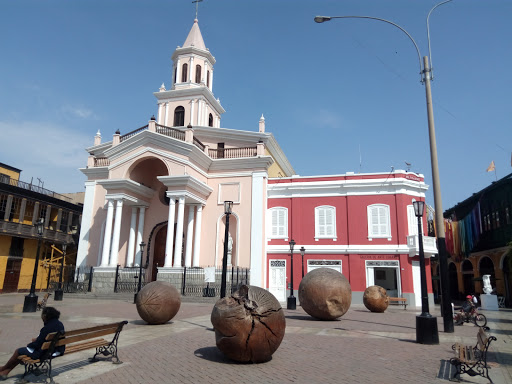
pixel 339 96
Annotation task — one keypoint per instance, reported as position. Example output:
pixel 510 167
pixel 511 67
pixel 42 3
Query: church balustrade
pixel 232 153
pixel 171 132
pixel 133 133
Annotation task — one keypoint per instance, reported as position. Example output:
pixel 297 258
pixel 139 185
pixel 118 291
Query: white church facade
pixel 179 169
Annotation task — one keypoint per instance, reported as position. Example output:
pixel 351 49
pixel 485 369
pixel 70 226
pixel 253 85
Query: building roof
pixel 194 38
pixel 461 209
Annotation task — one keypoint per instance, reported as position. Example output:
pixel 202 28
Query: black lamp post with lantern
pixel 228 209
pixel 302 252
pixel 142 245
pixel 59 293
pixel 30 303
pixel 426 324
pixel 292 301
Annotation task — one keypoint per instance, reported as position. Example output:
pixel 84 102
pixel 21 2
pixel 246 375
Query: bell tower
pixel 190 99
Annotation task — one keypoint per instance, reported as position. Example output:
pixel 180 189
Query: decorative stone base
pixel 103 280
pixel 489 302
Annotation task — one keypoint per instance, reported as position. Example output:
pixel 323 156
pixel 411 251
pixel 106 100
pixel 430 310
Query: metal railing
pixel 232 153
pixel 127 279
pixel 170 132
pixel 193 281
pixel 31 187
pixel 132 133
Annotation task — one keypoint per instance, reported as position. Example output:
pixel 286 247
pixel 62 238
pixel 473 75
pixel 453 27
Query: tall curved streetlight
pixel 426 76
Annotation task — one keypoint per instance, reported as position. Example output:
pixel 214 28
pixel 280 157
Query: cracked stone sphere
pixel 325 294
pixel 158 302
pixel 376 298
pixel 249 325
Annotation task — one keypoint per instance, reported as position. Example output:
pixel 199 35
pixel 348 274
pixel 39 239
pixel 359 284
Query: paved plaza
pixel 361 347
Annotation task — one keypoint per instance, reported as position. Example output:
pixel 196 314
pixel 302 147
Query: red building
pixel 362 225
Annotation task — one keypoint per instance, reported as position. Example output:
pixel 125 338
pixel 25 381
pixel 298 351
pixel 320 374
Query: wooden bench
pixel 41 304
pixel 473 360
pixel 398 301
pixel 75 341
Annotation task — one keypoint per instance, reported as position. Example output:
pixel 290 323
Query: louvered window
pixel 379 221
pixel 184 73
pixel 325 222
pixel 198 74
pixel 279 223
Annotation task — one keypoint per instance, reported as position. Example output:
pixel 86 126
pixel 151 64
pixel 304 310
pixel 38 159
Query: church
pixel 165 185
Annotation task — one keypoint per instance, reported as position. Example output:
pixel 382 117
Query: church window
pixel 179 117
pixel 208 79
pixel 198 74
pixel 175 74
pixel 184 73
pixel 210 120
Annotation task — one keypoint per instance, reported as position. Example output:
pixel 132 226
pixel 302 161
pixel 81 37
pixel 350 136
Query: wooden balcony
pixel 29 231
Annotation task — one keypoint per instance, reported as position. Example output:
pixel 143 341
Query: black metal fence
pixel 127 279
pixel 74 280
pixel 194 282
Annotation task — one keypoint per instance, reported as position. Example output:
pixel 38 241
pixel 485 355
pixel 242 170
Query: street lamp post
pixel 291 302
pixel 426 76
pixel 59 293
pixel 228 208
pixel 30 303
pixel 142 245
pixel 302 252
pixel 426 325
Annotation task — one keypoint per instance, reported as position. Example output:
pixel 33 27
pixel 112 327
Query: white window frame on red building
pixel 278 223
pixel 383 221
pixel 323 229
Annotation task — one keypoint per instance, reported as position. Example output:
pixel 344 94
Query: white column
pixel 192 102
pixel 117 233
pixel 131 239
pixel 170 233
pixel 258 252
pixel 178 72
pixel 108 234
pixel 211 79
pixel 161 114
pixel 199 112
pixel 140 232
pixel 85 227
pixel 190 235
pixel 190 65
pixel 197 236
pixel 179 232
pixel 166 119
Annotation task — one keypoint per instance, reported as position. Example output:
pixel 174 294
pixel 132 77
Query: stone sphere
pixel 249 325
pixel 158 302
pixel 376 298
pixel 325 294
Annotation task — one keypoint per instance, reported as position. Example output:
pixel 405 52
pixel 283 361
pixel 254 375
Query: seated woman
pixel 50 317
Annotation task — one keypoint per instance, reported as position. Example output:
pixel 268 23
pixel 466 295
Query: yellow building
pixel 21 205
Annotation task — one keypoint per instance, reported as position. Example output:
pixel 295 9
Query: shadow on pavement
pixel 213 354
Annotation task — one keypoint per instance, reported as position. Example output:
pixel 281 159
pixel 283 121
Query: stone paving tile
pixel 361 347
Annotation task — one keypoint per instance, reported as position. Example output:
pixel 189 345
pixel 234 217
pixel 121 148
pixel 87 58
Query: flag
pixel 491 167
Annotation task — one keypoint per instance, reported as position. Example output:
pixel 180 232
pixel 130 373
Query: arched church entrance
pixel 159 239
